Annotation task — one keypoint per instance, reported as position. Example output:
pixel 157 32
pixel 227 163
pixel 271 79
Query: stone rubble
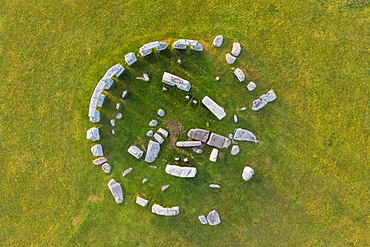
pixel 116 190
pixel 182 172
pixel 154 167
pixel 248 173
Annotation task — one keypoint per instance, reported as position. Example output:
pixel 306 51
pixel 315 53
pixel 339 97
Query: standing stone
pixel 153 123
pixel 214 154
pixel 235 118
pixel 230 59
pixel 163 132
pixel 97 150
pixel 116 190
pixel 149 133
pixel 93 134
pixel 245 135
pixel 118 105
pixel 112 122
pixel 248 173
pixel 235 150
pixel 135 151
pixel 203 219
pixel 217 78
pixel 141 201
pixel 236 49
pixel 217 42
pixel 127 171
pixel 124 94
pixel 152 152
pixel 130 58
pixel 186 160
pixel 251 86
pixel 160 112
pixel 164 187
pixel 106 168
pixel 215 186
pixel 144 181
pixel 239 74
pixel 100 161
pixel 158 138
pixel 213 218
pixel 113 132
pixel 119 115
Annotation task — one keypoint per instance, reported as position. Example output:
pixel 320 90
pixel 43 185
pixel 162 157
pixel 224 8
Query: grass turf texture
pixel 311 186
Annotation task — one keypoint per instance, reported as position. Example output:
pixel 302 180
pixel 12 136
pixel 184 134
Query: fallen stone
pixel 152 152
pixel 199 134
pixel 178 61
pixel 112 122
pixel 153 123
pixel 235 150
pixel 269 96
pixel 251 86
pixel 245 135
pixel 217 42
pixel 235 118
pixel 239 74
pixel 158 209
pixel 119 115
pixel 106 168
pixel 203 219
pixel 144 181
pixel 236 49
pixel 218 141
pixel 217 110
pixel 135 151
pixel 214 154
pixel 182 172
pixel 130 58
pixel 163 132
pixel 116 190
pixel 160 112
pixel 141 201
pixel 149 133
pixel 215 186
pixel 187 144
pixel 174 80
pixel 230 59
pixel 93 134
pixel 243 109
pixel 164 187
pixel 124 94
pixel 248 173
pixel 158 138
pixel 164 89
pixel 127 171
pixel 154 167
pixel 97 150
pixel 213 218
pixel 100 161
pixel 263 100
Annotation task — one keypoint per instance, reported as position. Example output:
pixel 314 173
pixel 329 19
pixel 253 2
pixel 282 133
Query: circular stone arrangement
pixel 197 138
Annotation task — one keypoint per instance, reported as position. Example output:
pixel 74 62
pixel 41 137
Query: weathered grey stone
pixel 174 80
pixel 115 70
pixel 178 61
pixel 118 105
pixel 160 112
pixel 235 150
pixel 231 136
pixel 97 150
pixel 135 151
pixel 217 78
pixel 217 42
pixel 141 201
pixel 199 134
pixel 213 218
pixel 119 115
pixel 218 141
pixel 243 109
pixel 203 219
pixel 183 43
pixel 188 144
pixel 248 173
pixel 215 186
pixel 270 96
pixel 100 161
pixel 214 154
pixel 164 187
pixel 96 117
pixel 236 118
pixel 153 123
pixel 158 209
pixel 106 167
pixel 199 151
pixel 217 110
pixel 187 97
pixel 144 181
pixel 258 104
pixel 164 89
pixel 93 134
pixel 182 172
pixel 108 83
pixel 116 190
pixel 230 59
pixel 100 100
pixel 239 74
pixel 150 133
pixel 146 77
pixel 112 122
pixel 130 58
pixel 158 138
pixel 236 49
pixel 154 167
pixel 163 132
pixel 113 132
pixel 251 86
pixel 245 135
pixel 195 101
pixel 124 94
pixel 263 100
pixel 147 48
pixel 127 171
pixel 177 158
pixel 152 152
pixel 186 160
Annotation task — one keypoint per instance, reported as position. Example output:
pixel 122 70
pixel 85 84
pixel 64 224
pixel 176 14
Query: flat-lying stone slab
pixel 218 141
pixel 217 110
pixel 213 218
pixel 236 49
pixel 230 59
pixel 239 74
pixel 203 219
pixel 116 190
pixel 152 151
pixel 248 173
pixel 127 171
pixel 218 40
pixel 182 172
pixel 215 186
pixel 100 161
pixel 188 144
pixel 214 155
pixel 263 100
pixel 93 134
pixel 141 201
pixel 245 135
pixel 135 151
pixel 97 150
pixel 164 187
pixel 158 209
pixel 174 80
pixel 199 134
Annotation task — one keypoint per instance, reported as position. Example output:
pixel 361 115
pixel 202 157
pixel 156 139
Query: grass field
pixel 311 183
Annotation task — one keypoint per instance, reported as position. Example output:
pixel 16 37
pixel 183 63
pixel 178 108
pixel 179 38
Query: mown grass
pixel 311 186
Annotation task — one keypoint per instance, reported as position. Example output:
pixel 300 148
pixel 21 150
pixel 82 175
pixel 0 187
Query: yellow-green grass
pixel 311 186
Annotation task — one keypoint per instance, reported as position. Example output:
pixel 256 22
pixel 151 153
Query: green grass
pixel 311 186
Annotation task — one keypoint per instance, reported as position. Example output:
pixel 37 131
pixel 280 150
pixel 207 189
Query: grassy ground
pixel 311 186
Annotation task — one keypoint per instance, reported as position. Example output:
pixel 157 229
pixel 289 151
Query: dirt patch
pixel 77 220
pixel 94 198
pixel 176 129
